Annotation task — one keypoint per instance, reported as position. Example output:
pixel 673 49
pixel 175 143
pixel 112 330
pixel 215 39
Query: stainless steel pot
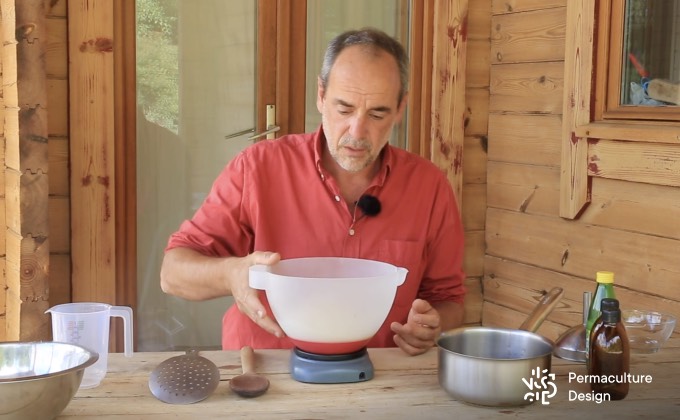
pixel 485 366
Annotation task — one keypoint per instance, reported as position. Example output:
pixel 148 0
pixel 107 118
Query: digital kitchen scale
pixel 330 368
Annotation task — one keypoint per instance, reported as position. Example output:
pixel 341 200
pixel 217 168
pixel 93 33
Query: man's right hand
pixel 247 299
pixel 188 274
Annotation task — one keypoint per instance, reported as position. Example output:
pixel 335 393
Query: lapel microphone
pixel 369 205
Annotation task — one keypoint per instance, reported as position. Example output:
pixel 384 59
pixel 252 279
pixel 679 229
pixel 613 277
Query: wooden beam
pixel 25 241
pixel 93 182
pixel 266 55
pixel 125 131
pixel 448 90
pixel 291 36
pixel 640 131
pixel 578 68
pixel 420 93
pixel 652 163
pixel 9 132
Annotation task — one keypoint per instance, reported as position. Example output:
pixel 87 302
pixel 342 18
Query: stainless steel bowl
pixel 39 379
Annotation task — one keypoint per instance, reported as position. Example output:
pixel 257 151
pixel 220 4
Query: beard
pixel 347 161
pixel 338 153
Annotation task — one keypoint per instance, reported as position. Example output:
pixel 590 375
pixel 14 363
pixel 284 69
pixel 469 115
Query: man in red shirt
pixel 297 196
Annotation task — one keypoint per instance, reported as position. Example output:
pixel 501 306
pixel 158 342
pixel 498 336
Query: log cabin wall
pixel 630 228
pixel 34 176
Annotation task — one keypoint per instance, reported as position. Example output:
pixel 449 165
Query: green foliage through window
pixel 157 62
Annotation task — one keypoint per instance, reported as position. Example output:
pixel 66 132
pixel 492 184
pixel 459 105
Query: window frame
pixel 627 148
pixel 609 68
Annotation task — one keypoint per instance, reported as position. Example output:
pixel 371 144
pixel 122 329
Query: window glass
pixel 195 84
pixel 651 53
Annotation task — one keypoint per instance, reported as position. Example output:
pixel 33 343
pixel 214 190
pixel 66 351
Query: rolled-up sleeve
pixel 219 227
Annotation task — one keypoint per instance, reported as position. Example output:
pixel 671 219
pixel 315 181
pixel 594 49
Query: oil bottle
pixel 604 289
pixel 610 352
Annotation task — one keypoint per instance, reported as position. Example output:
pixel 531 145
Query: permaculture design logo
pixel 541 386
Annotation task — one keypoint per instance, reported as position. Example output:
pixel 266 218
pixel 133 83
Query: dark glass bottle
pixel 604 289
pixel 610 352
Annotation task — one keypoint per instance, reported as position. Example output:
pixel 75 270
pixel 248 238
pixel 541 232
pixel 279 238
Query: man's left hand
pixel 421 330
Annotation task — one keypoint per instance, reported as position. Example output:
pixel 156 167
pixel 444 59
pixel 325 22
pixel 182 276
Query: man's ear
pixel 320 93
pixel 402 107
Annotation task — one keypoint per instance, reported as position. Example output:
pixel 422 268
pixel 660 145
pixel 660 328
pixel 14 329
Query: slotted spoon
pixel 184 379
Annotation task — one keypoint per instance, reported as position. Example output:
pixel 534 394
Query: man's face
pixel 359 107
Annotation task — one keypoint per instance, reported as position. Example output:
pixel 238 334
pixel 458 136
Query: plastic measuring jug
pixel 87 324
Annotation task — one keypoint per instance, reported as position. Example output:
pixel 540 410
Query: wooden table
pixel 403 388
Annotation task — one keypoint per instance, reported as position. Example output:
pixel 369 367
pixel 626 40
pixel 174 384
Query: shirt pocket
pixel 406 254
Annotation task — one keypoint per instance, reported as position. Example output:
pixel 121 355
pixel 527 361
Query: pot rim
pixel 462 330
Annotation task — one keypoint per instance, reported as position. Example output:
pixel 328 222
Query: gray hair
pixel 373 39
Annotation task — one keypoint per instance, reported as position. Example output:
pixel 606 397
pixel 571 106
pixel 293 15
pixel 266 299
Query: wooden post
pixel 93 209
pixel 448 90
pixel 420 84
pixel 26 238
pixel 9 123
pixel 578 68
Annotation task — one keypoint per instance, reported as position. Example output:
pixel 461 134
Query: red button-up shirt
pixel 276 196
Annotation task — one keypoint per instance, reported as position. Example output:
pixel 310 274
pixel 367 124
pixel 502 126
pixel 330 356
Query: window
pixel 641 70
pixel 611 46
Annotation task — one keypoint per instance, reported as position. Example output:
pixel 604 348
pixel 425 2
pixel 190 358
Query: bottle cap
pixel 610 310
pixel 609 304
pixel 605 277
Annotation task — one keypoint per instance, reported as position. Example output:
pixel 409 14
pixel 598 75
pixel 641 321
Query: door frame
pixel 282 84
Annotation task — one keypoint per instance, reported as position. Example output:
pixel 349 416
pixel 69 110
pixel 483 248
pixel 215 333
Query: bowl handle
pixel 401 276
pixel 258 276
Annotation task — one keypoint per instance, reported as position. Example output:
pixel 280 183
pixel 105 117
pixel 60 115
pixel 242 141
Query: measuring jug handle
pixel 125 312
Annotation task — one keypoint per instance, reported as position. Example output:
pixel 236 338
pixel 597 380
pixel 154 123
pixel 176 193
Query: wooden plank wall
pixel 631 228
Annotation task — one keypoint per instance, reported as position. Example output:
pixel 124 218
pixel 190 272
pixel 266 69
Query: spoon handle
pixel 247 359
pixel 541 311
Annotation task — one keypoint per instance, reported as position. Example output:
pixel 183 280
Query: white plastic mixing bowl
pixel 329 305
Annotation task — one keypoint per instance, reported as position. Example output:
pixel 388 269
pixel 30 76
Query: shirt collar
pixel 386 162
